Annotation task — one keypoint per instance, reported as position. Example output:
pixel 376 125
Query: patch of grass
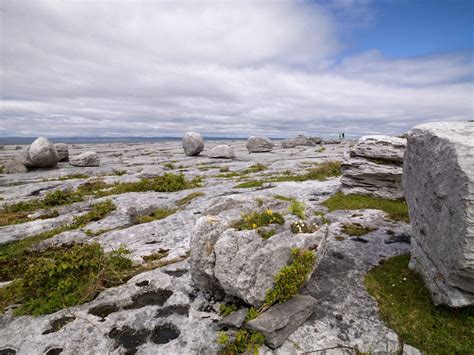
pixel 69 177
pixel 356 229
pixel 7 218
pixel 256 220
pixel 303 227
pixel 254 169
pixel 297 208
pixel 265 234
pixel 405 305
pixel 226 309
pixel 158 255
pixel 1 169
pixel 291 278
pixel 249 184
pixel 187 199
pixel 245 341
pixel 320 150
pixel 169 166
pixel 155 215
pixel 283 198
pixel 92 186
pixel 396 209
pixel 16 256
pixel 117 172
pixel 62 278
pixel 252 314
pixel 324 220
pixel 321 172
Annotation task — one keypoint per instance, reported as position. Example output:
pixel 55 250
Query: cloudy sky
pixel 233 68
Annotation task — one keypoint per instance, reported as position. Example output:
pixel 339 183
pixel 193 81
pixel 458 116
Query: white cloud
pixel 234 68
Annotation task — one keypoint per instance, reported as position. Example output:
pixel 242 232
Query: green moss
pixel 187 199
pixel 297 208
pixel 155 215
pixel 226 309
pixel 249 184
pixel 291 278
pixel 265 234
pixel 252 314
pixel 356 229
pixel 396 209
pixel 256 220
pixel 245 341
pixel 406 307
pixel 61 278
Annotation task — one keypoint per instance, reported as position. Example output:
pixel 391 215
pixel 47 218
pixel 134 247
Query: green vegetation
pixel 265 234
pixel 224 169
pixel 249 184
pixel 169 166
pixel 160 213
pixel 158 255
pixel 303 227
pixel 297 208
pixel 226 309
pixel 252 314
pixel 256 220
pixel 321 172
pixel 256 168
pixel 116 172
pixel 62 278
pixel 396 209
pixel 69 177
pixel 320 150
pixel 405 305
pixel 283 198
pixel 242 173
pixel 1 169
pixel 246 341
pixel 356 229
pixel 291 278
pixel 15 257
pixel 187 199
pixel 324 220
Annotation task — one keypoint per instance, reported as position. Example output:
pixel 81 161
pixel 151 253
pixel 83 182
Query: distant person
pixel 342 135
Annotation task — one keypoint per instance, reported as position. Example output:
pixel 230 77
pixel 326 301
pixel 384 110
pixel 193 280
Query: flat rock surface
pixel 160 311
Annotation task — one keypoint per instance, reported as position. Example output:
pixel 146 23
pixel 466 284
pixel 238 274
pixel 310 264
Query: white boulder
pixel 259 144
pixel 193 143
pixel 85 159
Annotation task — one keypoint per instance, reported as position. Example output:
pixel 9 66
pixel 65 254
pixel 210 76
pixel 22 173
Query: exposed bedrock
pixel 374 167
pixel 439 184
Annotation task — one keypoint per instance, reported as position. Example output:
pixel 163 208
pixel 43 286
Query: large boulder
pixel 259 144
pixel 40 154
pixel 222 151
pixel 439 186
pixel 193 143
pixel 63 151
pixel 242 263
pixel 85 159
pixel 374 166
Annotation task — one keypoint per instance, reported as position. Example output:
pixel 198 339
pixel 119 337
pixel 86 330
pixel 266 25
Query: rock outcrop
pixel 40 154
pixel 63 151
pixel 374 167
pixel 14 167
pixel 439 185
pixel 222 151
pixel 259 144
pixel 85 159
pixel 193 143
pixel 301 140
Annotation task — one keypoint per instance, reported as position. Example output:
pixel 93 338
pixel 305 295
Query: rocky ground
pixel 160 311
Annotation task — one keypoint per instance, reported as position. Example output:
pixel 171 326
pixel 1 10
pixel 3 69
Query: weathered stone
pixel 288 143
pixel 439 186
pixel 366 177
pixel 222 151
pixel 193 143
pixel 277 323
pixel 234 320
pixel 380 147
pixel 40 154
pixel 85 159
pixel 259 144
pixel 14 167
pixel 63 151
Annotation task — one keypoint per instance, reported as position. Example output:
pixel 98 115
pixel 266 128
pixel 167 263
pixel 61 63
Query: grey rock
pixel 410 350
pixel 63 151
pixel 193 143
pixel 288 143
pixel 40 154
pixel 14 167
pixel 222 151
pixel 439 185
pixel 259 144
pixel 234 320
pixel 380 147
pixel 85 159
pixel 277 323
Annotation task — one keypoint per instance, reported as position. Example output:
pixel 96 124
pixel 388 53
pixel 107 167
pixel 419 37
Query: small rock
pixel 14 167
pixel 63 151
pixel 193 143
pixel 281 320
pixel 259 144
pixel 85 159
pixel 234 320
pixel 288 143
pixel 222 151
pixel 40 154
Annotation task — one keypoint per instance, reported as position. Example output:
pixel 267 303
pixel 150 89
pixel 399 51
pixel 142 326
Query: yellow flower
pixel 269 212
pixel 254 226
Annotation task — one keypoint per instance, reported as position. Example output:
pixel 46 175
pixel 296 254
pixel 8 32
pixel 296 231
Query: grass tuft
pixel 405 305
pixel 297 208
pixel 155 215
pixel 249 184
pixel 396 209
pixel 187 199
pixel 256 220
pixel 356 229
